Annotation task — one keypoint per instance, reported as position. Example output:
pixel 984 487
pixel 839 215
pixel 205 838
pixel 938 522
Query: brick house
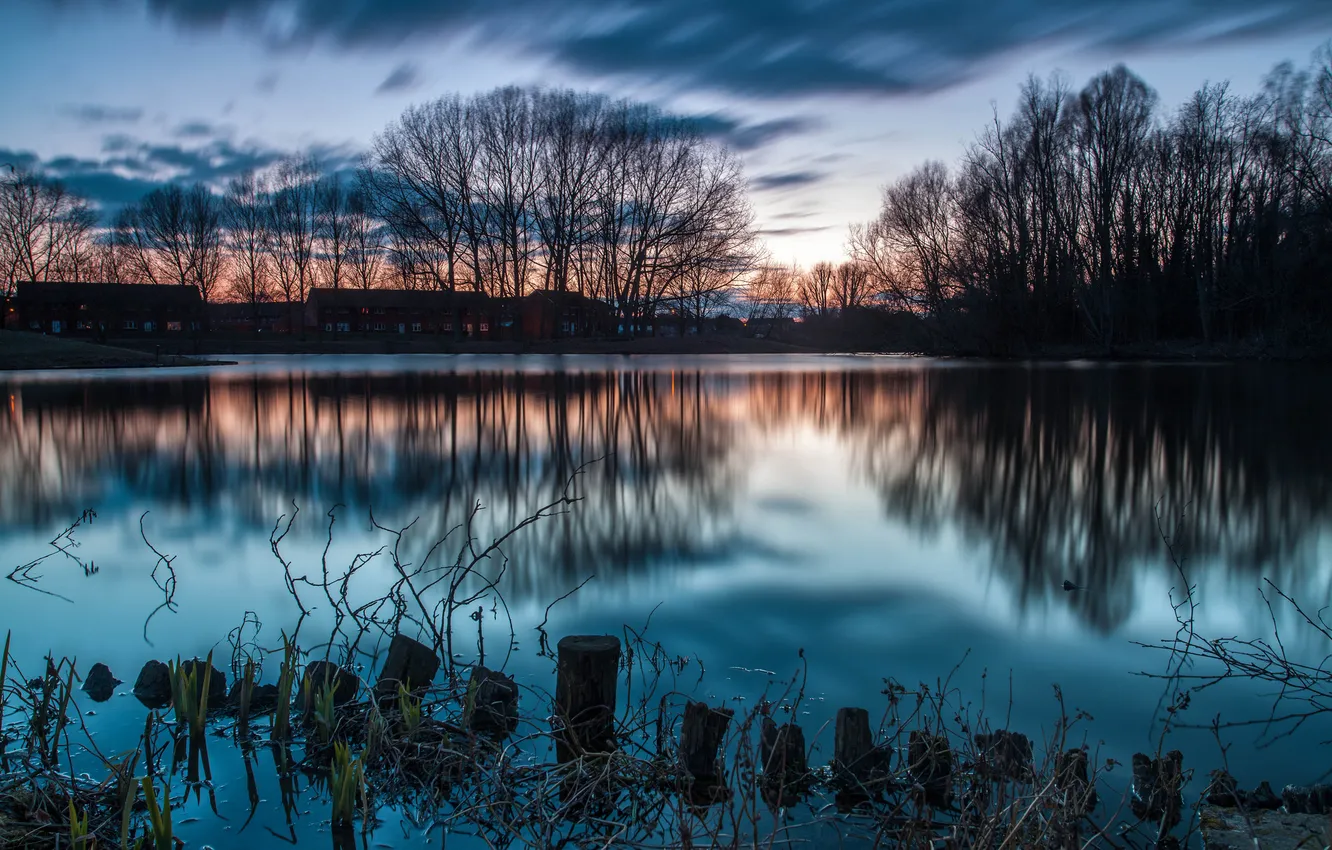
pixel 108 309
pixel 468 315
pixel 549 314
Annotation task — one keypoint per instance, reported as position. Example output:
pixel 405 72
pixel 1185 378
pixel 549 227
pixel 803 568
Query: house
pixel 243 318
pixel 551 314
pixel 467 315
pixel 108 309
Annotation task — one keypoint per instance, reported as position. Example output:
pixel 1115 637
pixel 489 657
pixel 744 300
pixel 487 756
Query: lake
pixel 874 517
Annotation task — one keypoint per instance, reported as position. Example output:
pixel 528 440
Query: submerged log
pixel 585 695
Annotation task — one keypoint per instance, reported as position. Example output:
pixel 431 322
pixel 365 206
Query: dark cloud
pixel 793 231
pixel 197 130
pixel 92 113
pixel 759 47
pixel 130 168
pixel 785 180
pixel 747 137
pixel 405 77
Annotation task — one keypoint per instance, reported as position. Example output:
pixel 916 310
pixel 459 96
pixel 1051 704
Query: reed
pixel 347 780
pixel 409 710
pixel 159 818
pixel 78 829
pixel 4 677
pixel 286 679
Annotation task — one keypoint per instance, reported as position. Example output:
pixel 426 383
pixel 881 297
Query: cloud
pixel 757 47
pixel 197 130
pixel 92 113
pixel 785 180
pixel 405 77
pixel 267 84
pixel 793 231
pixel 130 168
pixel 748 137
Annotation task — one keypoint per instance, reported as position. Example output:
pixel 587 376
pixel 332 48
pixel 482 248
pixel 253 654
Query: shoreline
pixel 24 351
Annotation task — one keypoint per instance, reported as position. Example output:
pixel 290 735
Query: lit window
pixel 416 327
pixel 344 327
pixel 129 325
pixel 379 326
pixel 328 327
pixel 83 306
pixel 485 326
pixel 148 326
pixel 448 326
pixel 173 326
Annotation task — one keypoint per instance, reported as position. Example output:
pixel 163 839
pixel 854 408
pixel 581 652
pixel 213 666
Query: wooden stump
pixel 855 758
pixel 1005 755
pixel 1071 778
pixel 930 763
pixel 585 689
pixel 782 754
pixel 492 703
pixel 1158 789
pixel 411 664
pixel 344 683
pixel 701 735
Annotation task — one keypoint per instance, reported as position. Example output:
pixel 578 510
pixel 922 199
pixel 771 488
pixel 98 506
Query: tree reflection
pixel 1052 472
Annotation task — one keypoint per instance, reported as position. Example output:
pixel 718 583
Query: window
pixel 148 326
pixel 344 327
pixel 379 311
pixel 467 328
pixel 379 326
pixel 448 326
pixel 194 326
pixel 485 326
pixel 129 325
pixel 83 306
pixel 85 325
pixel 173 326
pixel 34 325
pixel 365 311
pixel 416 327
pixel 328 327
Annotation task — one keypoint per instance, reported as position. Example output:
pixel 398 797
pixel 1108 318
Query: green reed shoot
pixel 78 829
pixel 409 708
pixel 287 678
pixel 189 695
pixel 246 693
pixel 376 731
pixel 159 819
pixel 348 778
pixel 323 714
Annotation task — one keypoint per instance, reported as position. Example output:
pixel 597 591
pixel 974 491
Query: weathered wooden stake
pixel 855 758
pixel 930 762
pixel 1005 755
pixel 701 736
pixel 585 689
pixel 785 769
pixel 492 702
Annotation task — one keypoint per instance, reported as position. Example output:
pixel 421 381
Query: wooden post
pixel 585 686
pixel 1005 755
pixel 855 758
pixel 785 770
pixel 930 763
pixel 701 736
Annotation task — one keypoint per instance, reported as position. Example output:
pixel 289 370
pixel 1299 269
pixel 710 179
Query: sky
pixel 826 100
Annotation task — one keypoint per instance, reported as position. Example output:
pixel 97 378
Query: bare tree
pixel 293 222
pixel 365 253
pixel 333 225
pixel 250 240
pixel 816 287
pixel 45 231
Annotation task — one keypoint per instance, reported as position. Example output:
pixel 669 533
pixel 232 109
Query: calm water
pixel 890 517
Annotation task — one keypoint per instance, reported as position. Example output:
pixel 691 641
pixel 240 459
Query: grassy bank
pixel 20 350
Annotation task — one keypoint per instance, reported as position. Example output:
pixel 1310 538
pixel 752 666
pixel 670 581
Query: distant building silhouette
pixel 108 309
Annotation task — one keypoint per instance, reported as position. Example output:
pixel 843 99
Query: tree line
pixel 502 193
pixel 1092 217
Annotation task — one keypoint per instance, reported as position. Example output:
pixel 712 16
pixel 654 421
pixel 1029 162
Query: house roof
pixel 110 294
pixel 394 298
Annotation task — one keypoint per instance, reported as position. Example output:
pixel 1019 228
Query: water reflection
pixel 1051 472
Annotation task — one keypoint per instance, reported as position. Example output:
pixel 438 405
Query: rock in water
pixel 263 698
pixel 153 687
pixel 345 683
pixel 410 663
pixel 100 684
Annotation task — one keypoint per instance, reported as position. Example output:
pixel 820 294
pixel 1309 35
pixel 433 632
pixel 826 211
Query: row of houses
pixel 121 310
